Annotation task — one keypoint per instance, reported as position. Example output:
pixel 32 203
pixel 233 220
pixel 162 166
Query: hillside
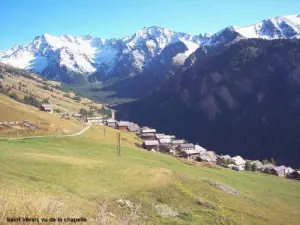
pixel 22 84
pixel 242 99
pixel 44 123
pixel 71 177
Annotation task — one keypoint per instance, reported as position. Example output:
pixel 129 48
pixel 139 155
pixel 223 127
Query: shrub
pixel 45 101
pixel 31 100
pixel 15 97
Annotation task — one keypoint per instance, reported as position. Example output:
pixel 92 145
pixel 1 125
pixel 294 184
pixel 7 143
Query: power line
pixel 119 144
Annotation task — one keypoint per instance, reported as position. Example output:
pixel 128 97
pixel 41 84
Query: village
pixel 169 144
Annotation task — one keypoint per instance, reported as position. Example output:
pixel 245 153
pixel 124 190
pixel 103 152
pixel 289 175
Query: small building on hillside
pixel 185 147
pixel 151 144
pixel 189 154
pixel 239 161
pixel 295 175
pixel 147 136
pixel 177 142
pixel 208 156
pixel 111 123
pixel 200 149
pixel 164 141
pixel 132 127
pixel 279 171
pixel 237 168
pixel 46 108
pixel 147 130
pixel 289 170
pixel 94 119
pixel 77 115
pixel 123 125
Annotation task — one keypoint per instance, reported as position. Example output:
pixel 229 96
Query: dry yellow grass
pixel 23 86
pixel 11 110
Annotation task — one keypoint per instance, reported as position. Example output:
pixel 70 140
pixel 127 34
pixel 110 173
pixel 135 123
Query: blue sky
pixel 22 20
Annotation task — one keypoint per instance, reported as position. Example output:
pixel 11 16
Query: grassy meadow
pixel 83 176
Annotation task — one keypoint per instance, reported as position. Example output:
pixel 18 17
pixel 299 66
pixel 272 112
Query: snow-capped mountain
pixel 273 28
pixel 61 57
pixel 67 57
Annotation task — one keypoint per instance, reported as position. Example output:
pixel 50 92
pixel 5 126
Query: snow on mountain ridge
pixel 130 54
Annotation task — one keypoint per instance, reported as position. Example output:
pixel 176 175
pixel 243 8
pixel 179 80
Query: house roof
pixel 111 121
pixel 178 141
pixel 164 141
pixel 148 130
pixel 279 168
pixel 133 127
pixel 191 152
pixel 187 145
pixel 94 118
pixel 148 135
pixel 46 106
pixel 225 157
pixel 238 160
pixel 151 143
pixel 200 149
pixel 123 123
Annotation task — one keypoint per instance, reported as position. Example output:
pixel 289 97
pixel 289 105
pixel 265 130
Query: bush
pixel 31 100
pixel 15 97
pixel 57 111
pixel 85 112
pixel 45 101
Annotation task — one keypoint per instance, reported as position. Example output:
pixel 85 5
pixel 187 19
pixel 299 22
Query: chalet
pixel 158 136
pixel 132 127
pixel 200 149
pixel 111 123
pixel 279 171
pixel 164 141
pixel 166 148
pixel 177 142
pixel 238 161
pixel 46 108
pixel 147 136
pixel 148 130
pixel 150 144
pixel 189 154
pixel 237 168
pixel 77 115
pixel 185 147
pixel 208 156
pixel 95 119
pixel 289 170
pixel 123 125
pixel 295 175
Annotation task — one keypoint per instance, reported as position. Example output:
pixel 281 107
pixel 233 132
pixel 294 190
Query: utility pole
pixel 119 144
pixel 104 130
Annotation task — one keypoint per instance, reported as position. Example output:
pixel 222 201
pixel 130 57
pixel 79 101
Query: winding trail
pixel 60 136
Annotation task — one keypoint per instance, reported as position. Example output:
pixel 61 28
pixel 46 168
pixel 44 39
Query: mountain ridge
pixel 65 57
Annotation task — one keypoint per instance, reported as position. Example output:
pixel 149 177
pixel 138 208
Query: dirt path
pixel 65 135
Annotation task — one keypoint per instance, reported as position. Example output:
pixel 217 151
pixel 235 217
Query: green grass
pixel 83 171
